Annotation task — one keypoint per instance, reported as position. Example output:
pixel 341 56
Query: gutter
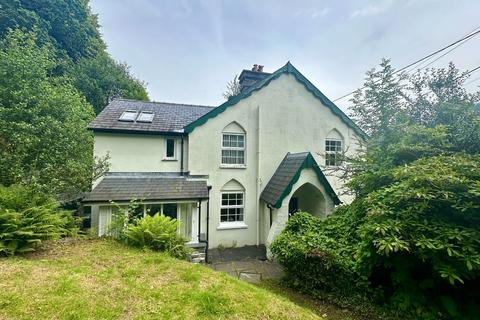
pixel 181 157
pixel 208 222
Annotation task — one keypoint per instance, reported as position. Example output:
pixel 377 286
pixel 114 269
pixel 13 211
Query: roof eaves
pixel 309 162
pixel 289 69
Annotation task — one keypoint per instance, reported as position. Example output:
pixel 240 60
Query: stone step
pixel 198 260
pixel 197 255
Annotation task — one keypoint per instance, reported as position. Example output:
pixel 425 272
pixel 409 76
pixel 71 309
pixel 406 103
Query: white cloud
pixel 371 9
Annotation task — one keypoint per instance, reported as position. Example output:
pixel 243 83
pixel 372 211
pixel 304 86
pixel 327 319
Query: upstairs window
pixel 170 148
pixel 233 149
pixel 128 116
pixel 145 116
pixel 333 152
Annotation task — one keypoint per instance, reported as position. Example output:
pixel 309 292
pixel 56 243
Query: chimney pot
pixel 255 67
pixel 260 68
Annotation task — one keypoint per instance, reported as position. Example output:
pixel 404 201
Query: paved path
pixel 247 263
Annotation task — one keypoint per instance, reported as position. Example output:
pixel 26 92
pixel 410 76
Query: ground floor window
pixel 232 207
pixel 170 210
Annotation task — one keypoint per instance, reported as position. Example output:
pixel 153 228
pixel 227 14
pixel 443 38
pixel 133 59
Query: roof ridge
pixel 164 102
pixel 288 68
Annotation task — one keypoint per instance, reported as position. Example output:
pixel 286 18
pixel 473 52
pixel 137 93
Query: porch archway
pixel 307 198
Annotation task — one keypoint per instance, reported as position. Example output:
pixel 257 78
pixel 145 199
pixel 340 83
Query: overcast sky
pixel 187 51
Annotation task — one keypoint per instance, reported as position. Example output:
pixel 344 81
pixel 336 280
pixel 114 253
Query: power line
pixel 472 81
pixel 443 55
pixel 422 59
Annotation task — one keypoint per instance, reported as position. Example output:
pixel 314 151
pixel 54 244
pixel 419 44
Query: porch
pixel 140 194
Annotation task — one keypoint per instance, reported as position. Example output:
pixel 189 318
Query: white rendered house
pixel 233 173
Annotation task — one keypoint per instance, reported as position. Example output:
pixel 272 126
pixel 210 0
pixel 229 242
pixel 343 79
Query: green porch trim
pixel 286 69
pixel 309 162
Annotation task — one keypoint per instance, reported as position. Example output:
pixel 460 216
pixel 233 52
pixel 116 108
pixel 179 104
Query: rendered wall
pixel 282 117
pixel 138 153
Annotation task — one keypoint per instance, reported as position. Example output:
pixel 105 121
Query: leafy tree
pixel 101 78
pixel 379 107
pixel 72 30
pixel 233 88
pixel 43 120
pixel 68 24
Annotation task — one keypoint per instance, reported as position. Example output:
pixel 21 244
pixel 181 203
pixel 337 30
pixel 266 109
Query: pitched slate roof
pixel 286 69
pixel 287 173
pixel 146 186
pixel 168 118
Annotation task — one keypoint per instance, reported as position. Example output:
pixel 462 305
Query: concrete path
pixel 246 263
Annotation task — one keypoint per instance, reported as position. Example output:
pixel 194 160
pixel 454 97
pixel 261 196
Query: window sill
pixel 232 225
pixel 234 166
pixel 169 159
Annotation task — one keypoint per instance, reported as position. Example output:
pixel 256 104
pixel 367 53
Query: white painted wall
pixel 282 117
pixel 137 152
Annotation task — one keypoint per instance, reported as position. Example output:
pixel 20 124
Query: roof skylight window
pixel 129 116
pixel 145 116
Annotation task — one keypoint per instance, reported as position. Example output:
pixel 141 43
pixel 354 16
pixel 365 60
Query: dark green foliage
pixel 101 79
pixel 411 239
pixel 67 24
pixel 72 31
pixel 27 218
pixel 319 253
pixel 157 233
pixel 43 119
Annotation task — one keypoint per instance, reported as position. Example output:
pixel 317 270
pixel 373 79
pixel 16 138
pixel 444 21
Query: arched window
pixel 233 146
pixel 233 202
pixel 334 147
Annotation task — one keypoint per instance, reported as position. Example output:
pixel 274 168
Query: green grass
pixel 102 279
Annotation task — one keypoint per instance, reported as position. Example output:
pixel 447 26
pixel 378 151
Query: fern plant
pixel 28 218
pixel 158 233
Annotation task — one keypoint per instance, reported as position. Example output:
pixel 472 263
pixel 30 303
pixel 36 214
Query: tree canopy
pixel 72 30
pixel 43 120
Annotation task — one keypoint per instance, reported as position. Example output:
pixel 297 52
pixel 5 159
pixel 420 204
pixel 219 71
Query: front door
pixel 293 206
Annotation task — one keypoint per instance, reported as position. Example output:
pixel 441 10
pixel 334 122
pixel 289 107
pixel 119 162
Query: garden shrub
pixel 414 243
pixel 28 217
pixel 158 233
pixel 319 253
pixel 420 239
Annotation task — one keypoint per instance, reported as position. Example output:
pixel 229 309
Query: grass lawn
pixel 102 279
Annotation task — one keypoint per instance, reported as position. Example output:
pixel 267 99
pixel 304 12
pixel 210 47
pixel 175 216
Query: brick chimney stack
pixel 249 77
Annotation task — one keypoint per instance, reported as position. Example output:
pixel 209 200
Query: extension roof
pixel 168 117
pixel 124 186
pixel 287 173
pixel 286 69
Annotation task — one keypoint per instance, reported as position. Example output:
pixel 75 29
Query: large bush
pixel 414 243
pixel 420 238
pixel 157 233
pixel 27 218
pixel 319 253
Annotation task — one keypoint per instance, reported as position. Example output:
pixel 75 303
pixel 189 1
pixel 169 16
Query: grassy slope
pixel 101 279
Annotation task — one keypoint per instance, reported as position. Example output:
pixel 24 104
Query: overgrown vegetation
pixel 27 218
pixel 411 239
pixel 154 232
pixel 55 74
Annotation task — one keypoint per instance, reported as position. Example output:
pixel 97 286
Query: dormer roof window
pixel 145 116
pixel 128 116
